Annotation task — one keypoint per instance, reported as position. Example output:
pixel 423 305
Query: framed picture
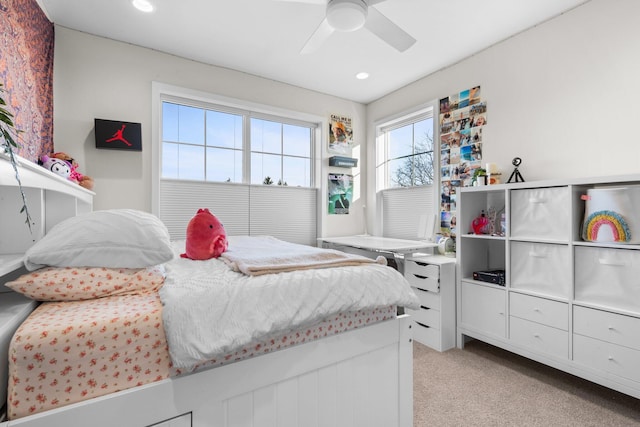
pixel 340 134
pixel 118 135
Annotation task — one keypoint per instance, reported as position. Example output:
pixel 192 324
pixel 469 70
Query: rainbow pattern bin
pixel 612 215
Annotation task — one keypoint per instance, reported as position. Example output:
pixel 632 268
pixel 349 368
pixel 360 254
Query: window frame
pixel 383 178
pixel 247 150
pixel 162 92
pixel 406 220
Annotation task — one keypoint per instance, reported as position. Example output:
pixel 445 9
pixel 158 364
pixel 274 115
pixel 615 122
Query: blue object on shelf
pixel 343 162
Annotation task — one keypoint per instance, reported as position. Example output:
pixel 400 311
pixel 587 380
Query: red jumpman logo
pixel 118 136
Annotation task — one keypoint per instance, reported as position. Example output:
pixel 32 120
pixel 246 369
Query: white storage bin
pixel 608 277
pixel 612 215
pixel 541 267
pixel 541 213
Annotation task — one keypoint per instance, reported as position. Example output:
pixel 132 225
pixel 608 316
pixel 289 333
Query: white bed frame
pixel 358 378
pixel 363 377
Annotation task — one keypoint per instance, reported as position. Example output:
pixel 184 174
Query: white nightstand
pixel 433 277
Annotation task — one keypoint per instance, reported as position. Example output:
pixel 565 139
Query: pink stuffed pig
pixel 206 237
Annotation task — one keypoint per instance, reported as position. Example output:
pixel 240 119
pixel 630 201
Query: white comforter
pixel 210 310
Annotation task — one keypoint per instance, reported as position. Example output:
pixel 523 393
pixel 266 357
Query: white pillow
pixel 116 238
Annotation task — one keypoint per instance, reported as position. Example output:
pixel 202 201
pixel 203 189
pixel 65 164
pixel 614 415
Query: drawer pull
pixel 537 200
pixel 537 310
pixel 610 358
pixel 611 328
pixel 425 308
pixel 536 335
pixel 421 277
pixel 421 264
pixel 612 263
pixel 537 254
pixel 423 325
pixel 423 290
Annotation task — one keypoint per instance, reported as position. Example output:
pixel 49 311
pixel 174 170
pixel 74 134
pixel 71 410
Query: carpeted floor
pixel 486 386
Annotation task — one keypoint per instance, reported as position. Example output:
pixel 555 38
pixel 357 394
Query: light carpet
pixel 483 385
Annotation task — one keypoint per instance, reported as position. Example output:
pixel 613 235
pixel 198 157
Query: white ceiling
pixel 264 37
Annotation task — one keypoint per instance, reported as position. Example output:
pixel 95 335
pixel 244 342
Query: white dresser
pixel 566 302
pixel 433 280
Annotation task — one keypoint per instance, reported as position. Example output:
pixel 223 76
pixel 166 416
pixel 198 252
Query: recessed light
pixel 143 5
pixel 362 76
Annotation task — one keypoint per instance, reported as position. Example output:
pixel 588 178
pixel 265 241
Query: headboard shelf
pixel 10 262
pixel 50 199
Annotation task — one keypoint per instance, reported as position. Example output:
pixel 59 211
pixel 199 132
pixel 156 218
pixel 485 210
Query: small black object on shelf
pixel 515 175
pixel 343 162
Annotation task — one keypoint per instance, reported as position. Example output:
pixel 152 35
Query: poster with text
pixel 340 193
pixel 340 134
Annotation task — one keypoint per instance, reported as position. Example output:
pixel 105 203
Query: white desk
pixel 381 244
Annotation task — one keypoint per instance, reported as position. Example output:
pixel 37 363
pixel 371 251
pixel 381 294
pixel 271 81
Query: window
pixel 219 153
pixel 280 151
pixel 210 144
pixel 407 149
pixel 406 171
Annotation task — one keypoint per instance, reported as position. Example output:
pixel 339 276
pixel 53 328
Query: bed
pixel 330 370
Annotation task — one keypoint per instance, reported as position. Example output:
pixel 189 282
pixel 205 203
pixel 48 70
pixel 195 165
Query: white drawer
pixel 539 337
pixel 483 308
pixel 427 336
pixel 540 213
pixel 604 356
pixel 540 310
pixel 605 326
pixel 426 316
pixel 541 267
pixel 608 276
pixel 422 275
pixel 422 268
pixel 428 299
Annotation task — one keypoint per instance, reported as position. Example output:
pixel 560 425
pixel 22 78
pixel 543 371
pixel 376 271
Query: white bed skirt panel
pixel 362 377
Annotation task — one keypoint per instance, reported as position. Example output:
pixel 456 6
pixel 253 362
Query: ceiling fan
pixel 351 15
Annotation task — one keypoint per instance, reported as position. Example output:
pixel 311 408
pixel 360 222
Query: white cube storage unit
pixel 432 277
pixel 570 302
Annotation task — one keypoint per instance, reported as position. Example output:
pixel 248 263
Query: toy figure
pixel 57 166
pixel 206 237
pixel 75 176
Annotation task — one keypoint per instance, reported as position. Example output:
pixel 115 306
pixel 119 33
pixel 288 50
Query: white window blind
pixel 403 209
pixel 288 213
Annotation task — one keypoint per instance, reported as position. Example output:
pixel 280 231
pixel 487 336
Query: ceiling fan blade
pixel 389 32
pixel 319 36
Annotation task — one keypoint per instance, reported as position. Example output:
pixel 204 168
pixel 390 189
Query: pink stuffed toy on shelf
pixel 206 237
pixel 57 166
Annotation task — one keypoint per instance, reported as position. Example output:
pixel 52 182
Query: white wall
pixel 563 96
pixel 100 78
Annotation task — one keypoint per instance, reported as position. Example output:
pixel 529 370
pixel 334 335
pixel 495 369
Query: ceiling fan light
pixel 346 15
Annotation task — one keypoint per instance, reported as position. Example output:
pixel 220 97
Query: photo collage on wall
pixel 462 118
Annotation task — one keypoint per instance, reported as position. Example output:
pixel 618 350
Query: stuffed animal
pixel 75 176
pixel 57 166
pixel 206 237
